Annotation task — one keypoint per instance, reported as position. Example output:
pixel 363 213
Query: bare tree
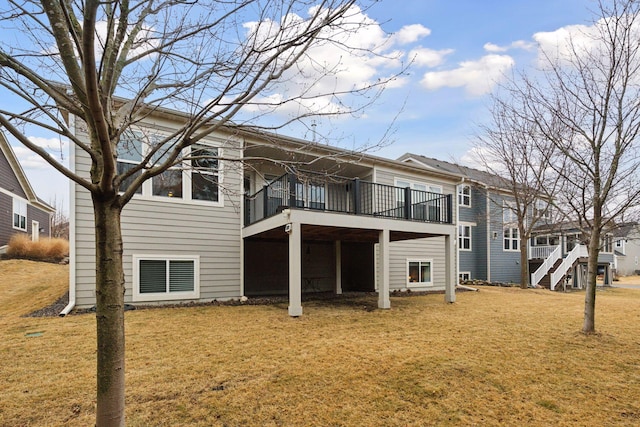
pixel 587 104
pixel 112 63
pixel 511 148
pixel 59 220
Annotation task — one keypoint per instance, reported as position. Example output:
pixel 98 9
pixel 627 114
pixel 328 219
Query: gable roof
pixel 471 174
pixel 17 170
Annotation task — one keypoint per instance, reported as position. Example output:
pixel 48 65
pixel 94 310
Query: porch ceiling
pixel 335 165
pixel 329 233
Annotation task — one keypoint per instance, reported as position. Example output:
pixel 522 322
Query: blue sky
pixel 460 48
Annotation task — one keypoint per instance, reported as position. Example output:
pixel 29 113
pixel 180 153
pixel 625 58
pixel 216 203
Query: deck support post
pixel 451 274
pixel 338 267
pixel 295 269
pixel 383 265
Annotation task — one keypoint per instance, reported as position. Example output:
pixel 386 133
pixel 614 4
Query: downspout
pixel 72 227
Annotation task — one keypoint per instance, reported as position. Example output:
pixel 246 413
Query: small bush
pixel 21 246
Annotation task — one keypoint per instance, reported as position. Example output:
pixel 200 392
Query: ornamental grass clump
pixel 49 249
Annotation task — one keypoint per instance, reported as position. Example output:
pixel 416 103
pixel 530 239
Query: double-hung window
pixel 419 273
pixel 464 195
pixel 20 214
pixel 511 239
pixel 205 173
pixel 464 237
pixel 129 155
pixel 159 277
pixel 510 228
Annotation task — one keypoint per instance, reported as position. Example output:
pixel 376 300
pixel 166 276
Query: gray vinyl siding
pixel 9 182
pixel 167 227
pixel 505 265
pixel 8 179
pixel 6 218
pixel 43 218
pixel 475 261
pixel 419 249
pixel 629 263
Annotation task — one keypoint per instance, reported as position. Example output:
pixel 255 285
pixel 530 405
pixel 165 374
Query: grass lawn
pixel 501 356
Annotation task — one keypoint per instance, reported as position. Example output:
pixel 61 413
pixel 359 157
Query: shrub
pixel 21 246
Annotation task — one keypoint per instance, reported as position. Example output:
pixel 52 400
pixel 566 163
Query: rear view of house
pixel 21 212
pixel 268 214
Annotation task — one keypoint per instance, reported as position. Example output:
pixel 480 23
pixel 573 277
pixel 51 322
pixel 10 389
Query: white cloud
pixel 490 47
pixel 519 44
pixel 51 144
pixel 477 77
pixel 426 57
pixel 28 159
pixel 560 44
pixel 410 34
pixel 349 56
pixel 569 42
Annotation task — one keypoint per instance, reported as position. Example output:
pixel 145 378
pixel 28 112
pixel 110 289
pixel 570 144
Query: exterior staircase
pixel 555 267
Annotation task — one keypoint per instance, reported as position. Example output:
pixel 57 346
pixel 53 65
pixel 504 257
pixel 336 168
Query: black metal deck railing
pixel 308 190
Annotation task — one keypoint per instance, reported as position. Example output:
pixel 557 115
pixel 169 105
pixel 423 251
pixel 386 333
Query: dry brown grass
pixel 628 280
pixel 21 246
pixel 501 356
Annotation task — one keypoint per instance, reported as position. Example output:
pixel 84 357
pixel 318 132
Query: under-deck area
pixel 300 251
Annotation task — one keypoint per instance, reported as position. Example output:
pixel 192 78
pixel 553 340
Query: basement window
pixel 419 273
pixel 158 277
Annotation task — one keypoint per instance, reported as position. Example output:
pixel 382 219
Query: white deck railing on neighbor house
pixel 547 265
pixel 567 263
pixel 541 252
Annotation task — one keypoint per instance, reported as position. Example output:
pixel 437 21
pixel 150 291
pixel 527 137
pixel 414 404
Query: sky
pixel 460 52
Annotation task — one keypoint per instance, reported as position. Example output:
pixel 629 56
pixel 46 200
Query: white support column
pixel 338 267
pixel 295 270
pixel 383 265
pixel 451 273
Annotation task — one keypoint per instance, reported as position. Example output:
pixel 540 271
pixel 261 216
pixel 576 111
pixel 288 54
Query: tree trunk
pixel 589 325
pixel 524 262
pixel 109 314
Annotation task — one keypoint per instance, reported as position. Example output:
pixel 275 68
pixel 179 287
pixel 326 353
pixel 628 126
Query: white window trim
pixel 462 195
pixel 511 239
pixel 413 183
pixel 24 203
pixel 462 273
pixel 147 186
pixel 165 296
pixel 470 225
pixel 419 284
pixel 513 216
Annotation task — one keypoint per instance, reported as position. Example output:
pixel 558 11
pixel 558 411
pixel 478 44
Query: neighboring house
pixel 558 257
pixel 488 241
pixel 626 248
pixel 343 221
pixel 21 212
pixel 487 229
